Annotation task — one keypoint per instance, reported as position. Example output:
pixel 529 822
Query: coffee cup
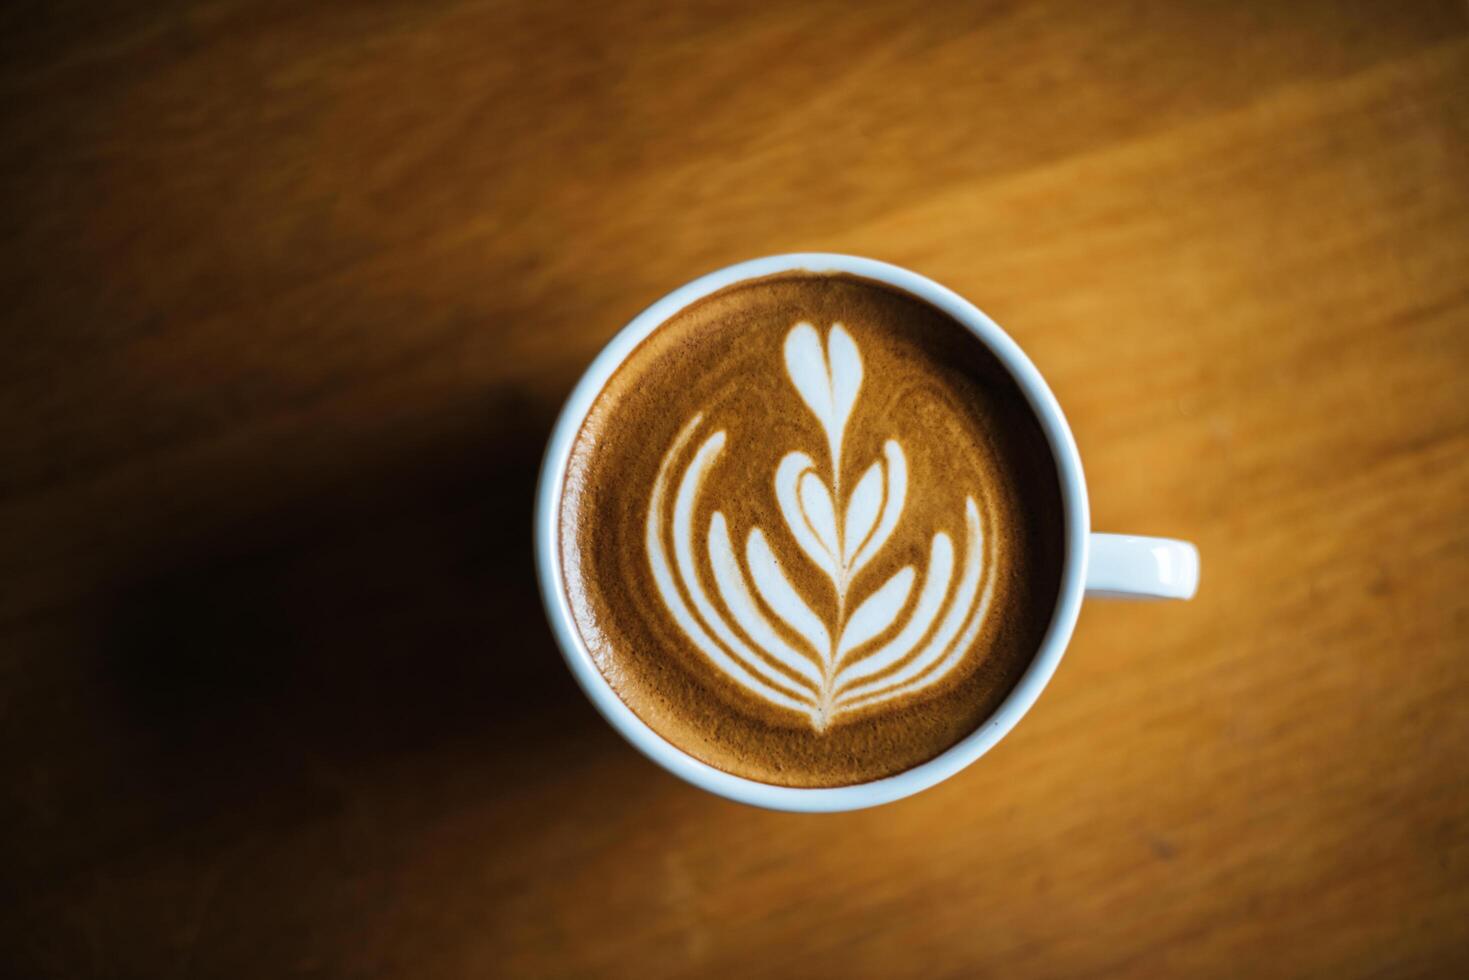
pixel 1087 563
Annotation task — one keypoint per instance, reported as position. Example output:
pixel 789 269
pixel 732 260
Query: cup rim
pixel 958 756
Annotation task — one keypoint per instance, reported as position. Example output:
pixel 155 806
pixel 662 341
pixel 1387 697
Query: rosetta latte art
pixel 753 624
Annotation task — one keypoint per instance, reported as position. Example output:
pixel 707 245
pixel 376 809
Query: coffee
pixel 811 531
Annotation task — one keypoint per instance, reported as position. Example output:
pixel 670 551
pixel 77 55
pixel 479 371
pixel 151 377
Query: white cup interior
pixel 1075 515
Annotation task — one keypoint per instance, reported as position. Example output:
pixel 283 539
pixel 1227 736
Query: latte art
pixel 809 530
pixel 816 667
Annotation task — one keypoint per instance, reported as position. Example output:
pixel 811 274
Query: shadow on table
pixel 409 612
pixel 383 643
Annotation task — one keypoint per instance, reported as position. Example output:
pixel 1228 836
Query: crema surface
pixel 811 532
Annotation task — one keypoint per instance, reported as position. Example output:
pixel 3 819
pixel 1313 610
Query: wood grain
pixel 292 293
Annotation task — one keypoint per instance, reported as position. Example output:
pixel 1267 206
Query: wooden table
pixel 292 292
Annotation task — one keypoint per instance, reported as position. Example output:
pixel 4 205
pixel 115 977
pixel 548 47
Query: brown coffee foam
pixel 930 384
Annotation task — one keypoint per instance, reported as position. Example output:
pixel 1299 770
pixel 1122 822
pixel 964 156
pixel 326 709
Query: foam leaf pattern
pixel 787 477
pixel 735 592
pixel 770 640
pixel 783 598
pixel 862 510
pixel 892 508
pixel 827 381
pixel 877 612
pixel 818 511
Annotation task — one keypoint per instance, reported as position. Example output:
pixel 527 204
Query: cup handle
pixel 1129 566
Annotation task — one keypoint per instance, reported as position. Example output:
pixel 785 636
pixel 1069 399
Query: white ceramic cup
pixel 1110 565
